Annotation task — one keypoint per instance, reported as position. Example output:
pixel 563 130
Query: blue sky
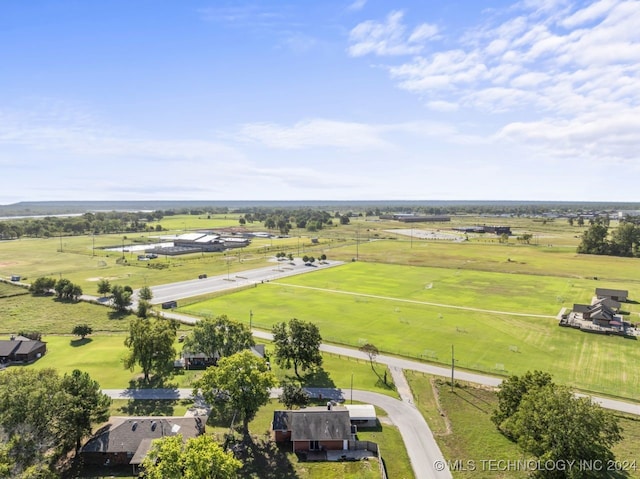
pixel 310 100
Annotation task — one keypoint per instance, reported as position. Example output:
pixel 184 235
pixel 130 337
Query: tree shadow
pixel 118 314
pixel 157 381
pixel 79 342
pixel 148 407
pixel 318 378
pixel 264 459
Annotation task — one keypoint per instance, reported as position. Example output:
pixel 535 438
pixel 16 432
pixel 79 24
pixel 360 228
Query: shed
pixel 362 415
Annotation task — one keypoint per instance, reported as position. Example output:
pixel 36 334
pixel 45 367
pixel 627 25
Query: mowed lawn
pixel 493 343
pixel 513 258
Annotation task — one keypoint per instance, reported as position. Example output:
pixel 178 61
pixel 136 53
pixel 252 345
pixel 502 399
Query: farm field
pixel 499 344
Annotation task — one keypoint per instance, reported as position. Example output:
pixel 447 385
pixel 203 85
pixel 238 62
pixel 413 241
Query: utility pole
pixel 351 388
pixel 357 242
pixel 452 367
pixel 250 319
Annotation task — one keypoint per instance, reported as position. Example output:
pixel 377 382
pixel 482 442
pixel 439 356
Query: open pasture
pixel 489 342
pixel 495 257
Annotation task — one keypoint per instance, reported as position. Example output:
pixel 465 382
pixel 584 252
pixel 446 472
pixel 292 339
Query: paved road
pixel 212 284
pixel 421 446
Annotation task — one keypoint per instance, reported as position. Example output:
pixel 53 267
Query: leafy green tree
pixel 243 381
pixel 145 293
pixel 104 287
pixel 594 240
pixel 82 330
pixel 344 220
pixel 553 425
pixel 297 343
pixel 150 344
pixel 142 311
pixel 42 416
pixel 199 458
pixel 63 287
pixel 218 337
pixel 625 240
pixel 120 297
pixel 513 389
pixel 293 395
pixel 83 404
pixel 42 285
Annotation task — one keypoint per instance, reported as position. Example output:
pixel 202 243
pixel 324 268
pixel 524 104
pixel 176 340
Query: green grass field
pixel 473 438
pixel 481 273
pixel 493 343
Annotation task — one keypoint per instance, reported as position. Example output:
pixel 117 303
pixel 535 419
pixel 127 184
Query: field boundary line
pixel 414 301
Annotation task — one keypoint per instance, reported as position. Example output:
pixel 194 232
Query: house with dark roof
pixel 314 428
pixel 198 360
pixel 620 295
pixel 127 440
pixel 19 349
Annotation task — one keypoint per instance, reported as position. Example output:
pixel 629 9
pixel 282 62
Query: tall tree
pixel 199 458
pixel 297 343
pixel 594 240
pixel 145 293
pixel 555 426
pixel 42 285
pixel 242 381
pixel 293 395
pixel 150 344
pixel 83 404
pixel 121 297
pixel 82 330
pixel 218 337
pixel 371 351
pixel 104 287
pixel 513 389
pixel 550 423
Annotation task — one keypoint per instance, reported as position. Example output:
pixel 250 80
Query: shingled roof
pixel 314 424
pixel 132 434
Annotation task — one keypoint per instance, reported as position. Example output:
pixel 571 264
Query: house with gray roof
pixel 19 349
pixel 127 440
pixel 313 429
pixel 620 295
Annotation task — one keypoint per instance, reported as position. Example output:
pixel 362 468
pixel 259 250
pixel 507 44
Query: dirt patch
pixel 7 263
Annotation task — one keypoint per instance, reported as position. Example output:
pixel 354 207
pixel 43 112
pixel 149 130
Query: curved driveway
pixel 418 440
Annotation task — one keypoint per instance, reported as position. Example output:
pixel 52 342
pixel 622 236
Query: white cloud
pixel 589 14
pixel 389 37
pixel 556 62
pixel 357 5
pixel 314 133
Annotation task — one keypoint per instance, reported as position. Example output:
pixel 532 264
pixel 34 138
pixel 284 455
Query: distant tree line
pixel 88 223
pixel 622 241
pixel 284 220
